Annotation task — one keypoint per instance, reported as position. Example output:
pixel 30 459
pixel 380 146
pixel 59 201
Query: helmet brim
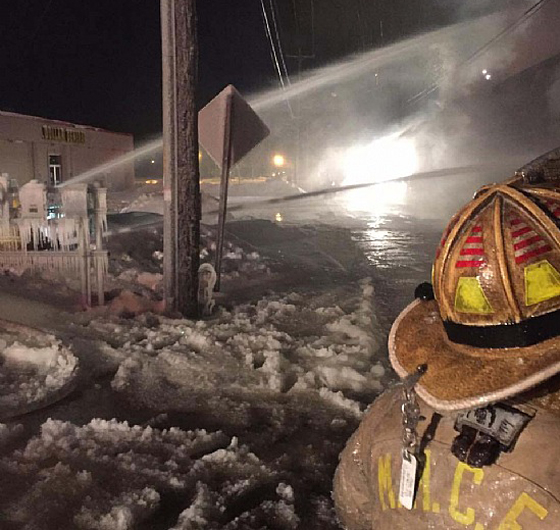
pixel 463 377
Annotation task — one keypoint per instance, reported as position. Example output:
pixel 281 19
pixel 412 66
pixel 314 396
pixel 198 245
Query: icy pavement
pixel 401 250
pixel 232 422
pixel 238 420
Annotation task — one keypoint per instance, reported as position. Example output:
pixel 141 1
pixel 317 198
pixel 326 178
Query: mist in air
pixel 482 92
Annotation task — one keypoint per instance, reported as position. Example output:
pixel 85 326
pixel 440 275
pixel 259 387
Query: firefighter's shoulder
pixel 522 487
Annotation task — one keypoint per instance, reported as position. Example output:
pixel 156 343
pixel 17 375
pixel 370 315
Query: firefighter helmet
pixel 493 329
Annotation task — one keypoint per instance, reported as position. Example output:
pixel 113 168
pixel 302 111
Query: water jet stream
pixel 323 77
pixel 151 147
pixel 375 59
pixel 332 191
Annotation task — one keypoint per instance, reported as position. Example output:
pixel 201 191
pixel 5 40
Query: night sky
pixel 99 62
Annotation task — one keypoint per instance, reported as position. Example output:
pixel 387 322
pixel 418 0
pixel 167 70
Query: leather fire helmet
pixel 492 330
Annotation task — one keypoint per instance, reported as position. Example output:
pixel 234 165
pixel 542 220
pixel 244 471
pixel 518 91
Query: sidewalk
pixel 30 312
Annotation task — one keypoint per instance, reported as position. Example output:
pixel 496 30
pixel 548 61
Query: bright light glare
pixel 487 76
pixel 385 159
pixel 278 217
pixel 484 72
pixel 376 199
pixel 278 160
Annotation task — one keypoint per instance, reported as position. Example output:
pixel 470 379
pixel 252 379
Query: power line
pixel 312 28
pixel 523 18
pixel 274 54
pixel 278 41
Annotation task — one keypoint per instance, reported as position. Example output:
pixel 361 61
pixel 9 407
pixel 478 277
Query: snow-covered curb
pixel 35 369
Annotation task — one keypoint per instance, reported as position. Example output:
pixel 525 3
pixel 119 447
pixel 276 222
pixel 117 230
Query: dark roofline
pixel 61 122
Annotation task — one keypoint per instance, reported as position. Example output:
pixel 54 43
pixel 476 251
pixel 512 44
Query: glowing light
pixel 382 160
pixel 377 198
pixel 278 217
pixel 278 160
pixel 484 72
pixel 487 76
pixel 153 161
pixel 152 181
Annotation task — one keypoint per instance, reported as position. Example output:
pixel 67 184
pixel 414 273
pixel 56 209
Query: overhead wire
pixel 279 42
pixel 274 55
pixel 312 13
pixel 523 18
pixel 361 25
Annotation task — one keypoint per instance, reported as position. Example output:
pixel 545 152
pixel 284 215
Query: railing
pixel 89 266
pixel 10 238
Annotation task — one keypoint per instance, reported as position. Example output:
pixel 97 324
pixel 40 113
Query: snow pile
pixel 125 510
pixel 138 267
pixel 18 355
pixel 32 375
pixel 281 345
pixel 108 475
pixel 240 418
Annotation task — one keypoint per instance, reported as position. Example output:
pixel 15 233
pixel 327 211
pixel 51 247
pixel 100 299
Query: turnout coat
pixel 521 491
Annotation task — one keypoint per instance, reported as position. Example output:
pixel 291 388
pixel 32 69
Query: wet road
pixel 320 236
pixel 400 251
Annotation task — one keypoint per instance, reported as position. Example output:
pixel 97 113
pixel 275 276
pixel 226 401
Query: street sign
pixel 228 128
pixel 247 129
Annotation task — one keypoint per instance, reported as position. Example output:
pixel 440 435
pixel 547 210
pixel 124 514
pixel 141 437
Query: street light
pixel 278 160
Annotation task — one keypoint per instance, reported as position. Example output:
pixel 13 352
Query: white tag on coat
pixel 408 480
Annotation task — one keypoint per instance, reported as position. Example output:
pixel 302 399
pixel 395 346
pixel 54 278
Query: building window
pixel 55 169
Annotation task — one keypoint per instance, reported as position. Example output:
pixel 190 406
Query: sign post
pixel 224 183
pixel 228 128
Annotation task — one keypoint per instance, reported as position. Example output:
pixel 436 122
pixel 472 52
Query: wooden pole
pixel 180 156
pixel 169 157
pixel 224 181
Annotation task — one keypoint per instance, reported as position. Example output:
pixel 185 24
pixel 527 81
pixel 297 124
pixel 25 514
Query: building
pixel 53 151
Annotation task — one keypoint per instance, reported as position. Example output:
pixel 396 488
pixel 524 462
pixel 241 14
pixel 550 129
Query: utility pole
pixel 181 184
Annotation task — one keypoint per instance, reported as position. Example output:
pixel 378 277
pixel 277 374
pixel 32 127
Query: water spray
pixel 151 147
pixel 329 191
pixel 367 62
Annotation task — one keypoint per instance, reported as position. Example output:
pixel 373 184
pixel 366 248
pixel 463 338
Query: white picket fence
pixel 10 238
pixel 89 266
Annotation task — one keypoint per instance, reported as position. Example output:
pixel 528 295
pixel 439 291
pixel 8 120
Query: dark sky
pixel 99 62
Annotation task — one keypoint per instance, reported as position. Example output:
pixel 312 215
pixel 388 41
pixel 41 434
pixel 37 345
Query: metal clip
pixel 410 417
pixel 411 411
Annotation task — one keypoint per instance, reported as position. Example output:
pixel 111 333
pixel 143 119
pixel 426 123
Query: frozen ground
pixel 230 423
pixel 233 422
